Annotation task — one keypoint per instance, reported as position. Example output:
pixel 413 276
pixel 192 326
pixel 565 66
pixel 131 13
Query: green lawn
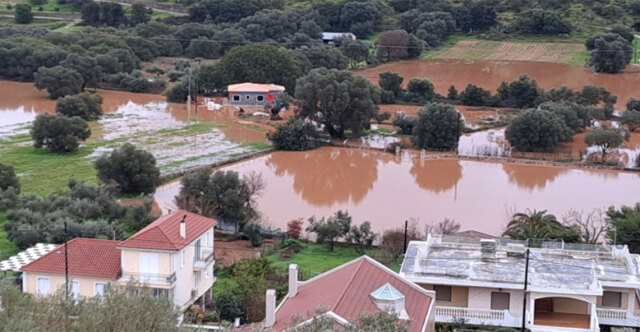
pixel 315 259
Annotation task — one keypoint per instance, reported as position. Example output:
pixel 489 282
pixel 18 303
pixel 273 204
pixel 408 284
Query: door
pixel 149 267
pixel 544 305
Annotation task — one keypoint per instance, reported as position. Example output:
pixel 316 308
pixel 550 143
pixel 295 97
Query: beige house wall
pixel 480 298
pixel 626 298
pixel 459 296
pixel 57 281
pixel 570 306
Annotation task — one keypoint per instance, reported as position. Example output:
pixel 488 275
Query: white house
pixel 570 287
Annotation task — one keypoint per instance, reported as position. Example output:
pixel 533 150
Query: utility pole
pixel 406 224
pixel 524 295
pixel 66 264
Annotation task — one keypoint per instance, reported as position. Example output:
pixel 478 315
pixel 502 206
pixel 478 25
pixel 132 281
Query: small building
pixel 330 37
pixel 172 257
pixel 92 265
pixel 361 286
pixel 569 287
pixel 253 94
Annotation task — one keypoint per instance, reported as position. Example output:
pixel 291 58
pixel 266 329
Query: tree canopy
pixel 606 138
pixel 610 52
pixel 86 105
pixel 59 133
pixel 59 81
pixel 295 135
pixel 536 131
pixel 338 100
pixel 438 127
pixel 133 170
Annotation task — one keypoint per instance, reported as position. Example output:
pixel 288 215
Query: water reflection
pixel 531 176
pixel 328 176
pixel 436 175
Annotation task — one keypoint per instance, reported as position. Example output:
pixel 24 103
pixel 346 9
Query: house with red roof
pixel 345 293
pixel 171 257
pixel 91 265
pixel 253 94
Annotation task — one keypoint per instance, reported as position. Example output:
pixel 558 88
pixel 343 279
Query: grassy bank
pixel 315 259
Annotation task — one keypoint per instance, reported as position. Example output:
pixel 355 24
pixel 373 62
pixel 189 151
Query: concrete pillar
pixel 270 309
pixel 293 280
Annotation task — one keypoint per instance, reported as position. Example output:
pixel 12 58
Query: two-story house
pixel 552 286
pixel 171 257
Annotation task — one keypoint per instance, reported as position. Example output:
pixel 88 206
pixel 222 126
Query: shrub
pixel 475 96
pixel 405 123
pixel 8 177
pixel 294 228
pixel 536 131
pixel 133 169
pixel 295 135
pixel 292 243
pixel 59 133
pixel 252 231
pixel 438 127
pixel 228 307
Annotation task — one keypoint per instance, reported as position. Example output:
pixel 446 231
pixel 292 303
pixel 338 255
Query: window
pixel 443 293
pixel 175 261
pixel 98 289
pixel 198 250
pixel 499 301
pixel 74 289
pixel 236 98
pixel 206 274
pixel 611 299
pixel 196 281
pixel 260 98
pixel 42 285
pixel 184 257
pixel 206 239
pixel 247 97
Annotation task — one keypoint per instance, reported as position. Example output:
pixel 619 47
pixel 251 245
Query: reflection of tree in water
pixel 328 176
pixel 436 175
pixel 531 176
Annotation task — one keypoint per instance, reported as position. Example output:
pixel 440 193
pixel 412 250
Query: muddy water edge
pixel 386 189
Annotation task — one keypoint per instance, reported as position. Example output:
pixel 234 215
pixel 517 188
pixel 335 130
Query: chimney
pixel 270 312
pixel 488 249
pixel 293 280
pixel 183 227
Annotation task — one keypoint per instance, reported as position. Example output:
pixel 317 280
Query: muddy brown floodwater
pixel 387 189
pixel 489 75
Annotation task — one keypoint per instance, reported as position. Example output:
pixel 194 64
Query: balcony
pixel 618 317
pixel 475 316
pixel 203 260
pixel 155 280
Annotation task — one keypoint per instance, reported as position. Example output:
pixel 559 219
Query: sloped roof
pixel 254 87
pixel 346 290
pixel 17 261
pixel 164 233
pixel 85 257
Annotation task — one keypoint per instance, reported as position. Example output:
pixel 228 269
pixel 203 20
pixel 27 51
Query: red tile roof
pixel 85 257
pixel 164 233
pixel 345 292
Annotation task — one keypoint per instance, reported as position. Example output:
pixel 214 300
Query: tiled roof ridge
pixel 159 229
pixel 359 261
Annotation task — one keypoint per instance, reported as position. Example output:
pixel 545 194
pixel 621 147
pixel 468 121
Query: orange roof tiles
pixel 345 291
pixel 85 257
pixel 164 233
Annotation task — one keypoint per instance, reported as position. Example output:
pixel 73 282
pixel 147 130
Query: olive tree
pixel 85 105
pixel 606 138
pixel 23 14
pixel 133 170
pixel 338 100
pixel 438 127
pixel 59 81
pixel 610 52
pixel 631 119
pixel 8 177
pixel 332 229
pixel 295 135
pixel 536 131
pixel 59 133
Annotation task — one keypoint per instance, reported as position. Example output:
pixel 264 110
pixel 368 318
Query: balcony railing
pixel 618 314
pixel 618 317
pixel 202 260
pixel 149 278
pixel 475 316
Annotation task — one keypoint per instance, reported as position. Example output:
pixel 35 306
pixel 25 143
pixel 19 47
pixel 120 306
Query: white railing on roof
pixel 486 315
pixel 617 314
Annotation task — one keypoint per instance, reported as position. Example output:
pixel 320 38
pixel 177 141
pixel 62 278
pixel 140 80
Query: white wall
pixel 480 298
pixel 185 275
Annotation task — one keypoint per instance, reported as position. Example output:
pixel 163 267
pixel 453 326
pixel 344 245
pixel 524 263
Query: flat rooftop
pixel 458 261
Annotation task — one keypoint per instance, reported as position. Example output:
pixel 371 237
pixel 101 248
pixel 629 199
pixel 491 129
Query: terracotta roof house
pixel 172 257
pixel 253 94
pixel 92 264
pixel 360 286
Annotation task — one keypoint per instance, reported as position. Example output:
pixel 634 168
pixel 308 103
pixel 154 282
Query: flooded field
pixel 179 138
pixel 387 189
pixel 489 75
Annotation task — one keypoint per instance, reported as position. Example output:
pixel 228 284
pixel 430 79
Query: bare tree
pixel 591 226
pixel 445 227
pixel 393 239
